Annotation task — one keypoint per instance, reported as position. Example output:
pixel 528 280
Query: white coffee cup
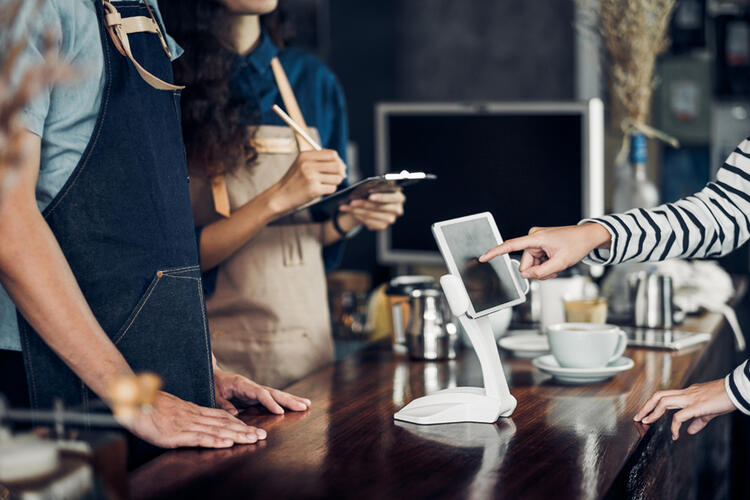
pixel 586 345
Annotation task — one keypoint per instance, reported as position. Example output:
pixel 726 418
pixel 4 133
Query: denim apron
pixel 124 223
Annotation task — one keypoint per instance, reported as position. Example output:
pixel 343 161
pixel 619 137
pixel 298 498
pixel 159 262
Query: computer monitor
pixel 529 163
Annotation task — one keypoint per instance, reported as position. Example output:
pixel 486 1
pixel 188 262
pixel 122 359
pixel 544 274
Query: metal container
pixel 399 295
pixel 430 334
pixel 652 300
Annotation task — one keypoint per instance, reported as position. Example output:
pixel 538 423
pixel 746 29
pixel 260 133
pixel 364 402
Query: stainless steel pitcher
pixel 652 300
pixel 399 294
pixel 430 333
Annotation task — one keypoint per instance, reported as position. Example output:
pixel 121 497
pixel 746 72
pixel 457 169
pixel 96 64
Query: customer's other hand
pixel 377 212
pixel 232 387
pixel 173 423
pixel 549 250
pixel 699 403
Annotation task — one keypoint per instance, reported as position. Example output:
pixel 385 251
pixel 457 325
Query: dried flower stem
pixel 634 34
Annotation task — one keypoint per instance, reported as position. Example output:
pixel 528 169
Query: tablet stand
pixel 466 404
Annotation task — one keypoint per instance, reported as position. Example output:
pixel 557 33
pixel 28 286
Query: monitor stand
pixel 466 404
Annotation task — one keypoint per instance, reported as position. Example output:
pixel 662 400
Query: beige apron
pixel 269 315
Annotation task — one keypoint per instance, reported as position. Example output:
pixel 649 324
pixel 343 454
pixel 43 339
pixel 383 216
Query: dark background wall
pixel 484 49
pixel 439 50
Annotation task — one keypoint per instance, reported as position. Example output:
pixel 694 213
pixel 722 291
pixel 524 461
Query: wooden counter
pixel 561 442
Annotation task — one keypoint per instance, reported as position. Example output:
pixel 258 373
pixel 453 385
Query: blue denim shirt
pixel 318 94
pixel 63 116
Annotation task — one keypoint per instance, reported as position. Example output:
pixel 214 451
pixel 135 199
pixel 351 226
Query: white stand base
pixel 467 404
pixel 461 404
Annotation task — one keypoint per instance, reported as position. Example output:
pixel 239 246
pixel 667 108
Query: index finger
pixel 289 401
pixel 322 155
pixel 331 167
pixel 514 245
pixel 651 404
pixel 266 399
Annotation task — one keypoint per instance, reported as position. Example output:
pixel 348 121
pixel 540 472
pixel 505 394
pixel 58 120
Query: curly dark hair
pixel 216 125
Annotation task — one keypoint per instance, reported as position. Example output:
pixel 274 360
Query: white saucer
pixel 525 345
pixel 548 364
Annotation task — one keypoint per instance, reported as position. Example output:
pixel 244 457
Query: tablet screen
pixel 488 284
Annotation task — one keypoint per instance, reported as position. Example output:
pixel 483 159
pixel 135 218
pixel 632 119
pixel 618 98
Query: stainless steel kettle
pixel 652 299
pixel 430 334
pixel 398 292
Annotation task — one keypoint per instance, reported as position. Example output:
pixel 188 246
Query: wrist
pixel 343 226
pixel 102 369
pixel 598 235
pixel 225 382
pixel 273 203
pixel 344 223
pixel 107 383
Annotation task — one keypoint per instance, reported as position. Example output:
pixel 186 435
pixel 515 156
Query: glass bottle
pixel 633 189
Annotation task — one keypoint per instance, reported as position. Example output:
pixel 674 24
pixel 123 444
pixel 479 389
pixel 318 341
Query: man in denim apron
pixel 122 224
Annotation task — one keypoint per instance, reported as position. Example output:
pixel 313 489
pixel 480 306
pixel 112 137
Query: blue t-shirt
pixel 63 116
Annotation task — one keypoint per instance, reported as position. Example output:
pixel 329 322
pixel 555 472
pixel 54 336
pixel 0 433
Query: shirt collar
pixel 261 57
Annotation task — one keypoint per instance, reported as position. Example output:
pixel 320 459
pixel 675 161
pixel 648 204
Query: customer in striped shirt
pixel 708 224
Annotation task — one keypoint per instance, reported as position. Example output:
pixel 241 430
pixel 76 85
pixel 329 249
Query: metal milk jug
pixel 430 333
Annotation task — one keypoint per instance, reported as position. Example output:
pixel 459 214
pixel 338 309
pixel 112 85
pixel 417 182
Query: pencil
pixel 296 127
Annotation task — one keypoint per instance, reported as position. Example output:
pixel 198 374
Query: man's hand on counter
pixel 173 423
pixel 232 387
pixel 699 403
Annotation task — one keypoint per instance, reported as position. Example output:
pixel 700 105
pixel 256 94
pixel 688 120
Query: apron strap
pixel 119 28
pixel 290 102
pixel 296 255
pixel 218 183
pixel 220 194
pixel 274 145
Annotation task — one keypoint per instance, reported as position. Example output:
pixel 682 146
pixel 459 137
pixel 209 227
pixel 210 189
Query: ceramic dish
pixel 525 345
pixel 548 364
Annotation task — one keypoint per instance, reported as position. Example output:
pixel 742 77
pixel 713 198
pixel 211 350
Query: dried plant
pixel 16 92
pixel 634 34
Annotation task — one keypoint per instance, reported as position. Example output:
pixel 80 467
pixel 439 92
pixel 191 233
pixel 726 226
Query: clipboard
pixel 387 183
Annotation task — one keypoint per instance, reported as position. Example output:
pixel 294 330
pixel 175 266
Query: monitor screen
pixel 525 168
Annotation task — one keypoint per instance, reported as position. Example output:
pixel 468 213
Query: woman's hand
pixel 232 387
pixel 313 174
pixel 549 250
pixel 699 403
pixel 377 212
pixel 173 423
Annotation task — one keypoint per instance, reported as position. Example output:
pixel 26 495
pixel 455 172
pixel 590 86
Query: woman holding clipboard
pixel 267 303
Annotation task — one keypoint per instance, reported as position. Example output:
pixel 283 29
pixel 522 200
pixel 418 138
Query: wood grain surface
pixel 561 442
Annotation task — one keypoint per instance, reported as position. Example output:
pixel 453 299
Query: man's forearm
pixel 34 272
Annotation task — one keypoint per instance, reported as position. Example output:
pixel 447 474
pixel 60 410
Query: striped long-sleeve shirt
pixel 708 224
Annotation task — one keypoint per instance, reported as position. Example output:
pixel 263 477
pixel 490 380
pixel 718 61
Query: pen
pixel 296 127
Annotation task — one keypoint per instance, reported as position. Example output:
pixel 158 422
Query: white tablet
pixel 491 286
